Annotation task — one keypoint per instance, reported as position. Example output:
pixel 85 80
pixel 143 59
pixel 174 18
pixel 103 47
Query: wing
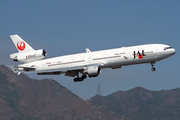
pixel 70 71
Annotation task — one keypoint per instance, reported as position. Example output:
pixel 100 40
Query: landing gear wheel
pixel 76 79
pixel 153 69
pixel 84 76
pixel 79 79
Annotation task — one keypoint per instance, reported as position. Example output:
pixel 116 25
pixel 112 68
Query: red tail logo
pixel 20 45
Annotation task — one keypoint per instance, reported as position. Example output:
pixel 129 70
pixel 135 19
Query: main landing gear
pixel 153 68
pixel 79 79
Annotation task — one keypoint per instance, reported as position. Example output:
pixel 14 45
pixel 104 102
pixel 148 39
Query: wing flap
pixel 68 71
pixel 50 73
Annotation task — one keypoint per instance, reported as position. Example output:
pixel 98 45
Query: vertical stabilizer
pixel 20 44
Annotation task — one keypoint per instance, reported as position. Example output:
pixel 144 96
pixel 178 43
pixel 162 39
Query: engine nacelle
pixel 28 57
pixel 92 71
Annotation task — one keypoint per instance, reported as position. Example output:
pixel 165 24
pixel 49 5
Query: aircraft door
pixel 89 58
pixel 129 57
pixel 41 66
pixel 157 51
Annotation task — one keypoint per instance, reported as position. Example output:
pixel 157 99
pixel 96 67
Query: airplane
pixel 87 64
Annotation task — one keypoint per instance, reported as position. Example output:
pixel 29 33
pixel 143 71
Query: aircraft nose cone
pixel 173 51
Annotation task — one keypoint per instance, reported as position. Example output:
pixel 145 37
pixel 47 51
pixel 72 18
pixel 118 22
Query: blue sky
pixel 67 27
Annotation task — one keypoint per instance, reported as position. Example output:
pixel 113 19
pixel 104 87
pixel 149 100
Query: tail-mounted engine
pixel 29 56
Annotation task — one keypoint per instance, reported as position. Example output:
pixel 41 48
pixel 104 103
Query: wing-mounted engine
pixel 29 56
pixel 92 71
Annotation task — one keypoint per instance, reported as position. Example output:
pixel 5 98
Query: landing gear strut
pixel 79 79
pixel 153 68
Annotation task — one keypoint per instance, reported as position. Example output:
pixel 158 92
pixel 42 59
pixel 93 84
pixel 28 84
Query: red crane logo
pixel 21 45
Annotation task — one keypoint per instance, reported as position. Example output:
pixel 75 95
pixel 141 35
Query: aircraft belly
pixel 139 60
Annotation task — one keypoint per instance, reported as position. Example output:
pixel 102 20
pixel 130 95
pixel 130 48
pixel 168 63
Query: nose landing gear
pixel 153 68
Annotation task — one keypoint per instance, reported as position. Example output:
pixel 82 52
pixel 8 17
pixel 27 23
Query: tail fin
pixel 20 44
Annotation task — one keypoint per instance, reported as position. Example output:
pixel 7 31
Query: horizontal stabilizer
pixel 15 70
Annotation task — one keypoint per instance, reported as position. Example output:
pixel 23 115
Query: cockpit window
pixel 167 48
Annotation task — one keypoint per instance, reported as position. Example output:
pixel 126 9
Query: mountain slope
pixel 142 104
pixel 23 98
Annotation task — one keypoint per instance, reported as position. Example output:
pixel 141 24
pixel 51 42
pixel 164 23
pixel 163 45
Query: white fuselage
pixel 112 58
